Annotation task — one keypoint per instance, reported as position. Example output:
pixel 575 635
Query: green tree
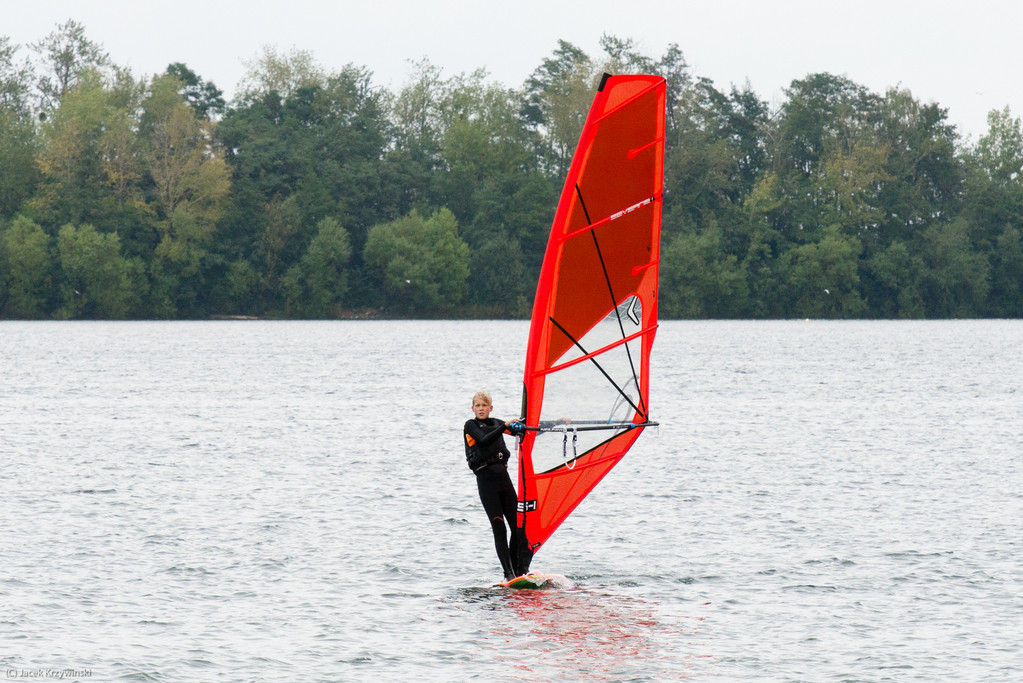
pixel 555 102
pixel 73 186
pixel 205 99
pixel 313 200
pixel 715 152
pixel 481 139
pixel 493 185
pixel 955 279
pixel 416 112
pixel 189 192
pixel 823 114
pixel 66 54
pixel 507 239
pixel 241 285
pixel 25 249
pixel 895 276
pixel 924 169
pixel 120 158
pixel 5 267
pixel 328 147
pixel 416 126
pixel 1000 151
pixel 187 167
pixel 282 226
pixel 846 192
pixel 822 277
pixel 701 167
pixel 281 72
pixel 1007 274
pixel 96 281
pixel 763 247
pixel 624 57
pixel 18 171
pixel 177 270
pixel 824 119
pixel 993 208
pixel 421 263
pixel 699 280
pixel 316 286
pixel 15 78
pixel 498 281
pixel 18 174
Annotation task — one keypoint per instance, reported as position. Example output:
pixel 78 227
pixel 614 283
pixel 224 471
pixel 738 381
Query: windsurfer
pixel 487 456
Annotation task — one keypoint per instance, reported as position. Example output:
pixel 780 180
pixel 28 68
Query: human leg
pixel 494 503
pixel 509 506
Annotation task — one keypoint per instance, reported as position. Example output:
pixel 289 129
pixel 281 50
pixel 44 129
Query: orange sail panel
pixel 586 383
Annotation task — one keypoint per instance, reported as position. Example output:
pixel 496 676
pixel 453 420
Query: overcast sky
pixel 963 55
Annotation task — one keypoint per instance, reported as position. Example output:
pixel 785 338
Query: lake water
pixel 288 501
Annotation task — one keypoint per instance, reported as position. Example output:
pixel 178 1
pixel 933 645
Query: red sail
pixel 586 393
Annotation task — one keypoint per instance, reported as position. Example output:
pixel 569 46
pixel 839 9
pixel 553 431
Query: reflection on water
pixel 585 634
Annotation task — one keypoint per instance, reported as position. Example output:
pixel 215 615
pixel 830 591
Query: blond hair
pixel 483 396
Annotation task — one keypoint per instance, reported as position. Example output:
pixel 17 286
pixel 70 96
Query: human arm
pixel 484 436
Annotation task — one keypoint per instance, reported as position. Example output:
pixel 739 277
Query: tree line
pixel 315 193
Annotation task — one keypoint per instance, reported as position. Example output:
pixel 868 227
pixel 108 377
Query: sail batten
pixel 603 221
pixel 586 380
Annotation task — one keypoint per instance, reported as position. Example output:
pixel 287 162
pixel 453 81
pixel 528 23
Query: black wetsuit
pixel 487 456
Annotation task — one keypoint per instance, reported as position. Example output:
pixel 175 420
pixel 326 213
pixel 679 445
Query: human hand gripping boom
pixel 516 426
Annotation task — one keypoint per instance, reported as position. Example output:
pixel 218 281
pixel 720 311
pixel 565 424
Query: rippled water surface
pixel 275 501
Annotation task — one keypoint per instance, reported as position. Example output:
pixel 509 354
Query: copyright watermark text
pixel 49 673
